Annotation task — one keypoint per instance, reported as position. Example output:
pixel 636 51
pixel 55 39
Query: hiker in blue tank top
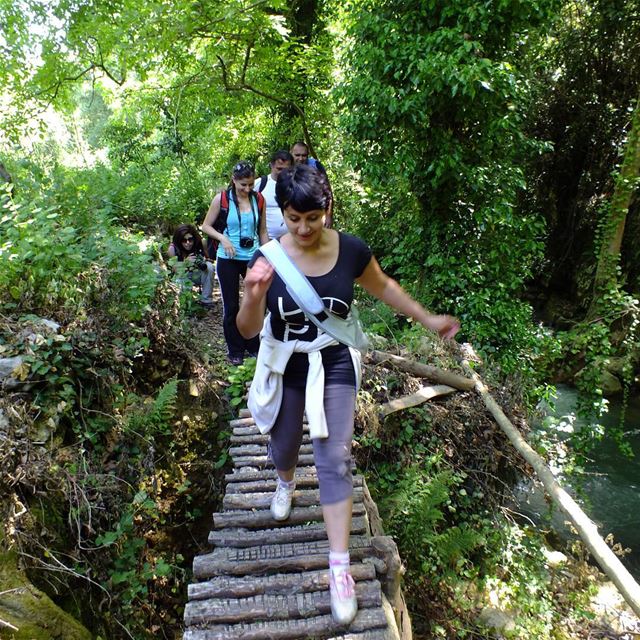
pixel 243 231
pixel 307 369
pixel 300 153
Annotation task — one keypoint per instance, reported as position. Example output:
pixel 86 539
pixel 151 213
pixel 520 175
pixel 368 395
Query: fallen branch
pixel 587 530
pixel 423 370
pixel 4 623
pixel 415 399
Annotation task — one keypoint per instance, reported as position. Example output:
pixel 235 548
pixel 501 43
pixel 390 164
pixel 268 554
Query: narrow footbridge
pixel 269 580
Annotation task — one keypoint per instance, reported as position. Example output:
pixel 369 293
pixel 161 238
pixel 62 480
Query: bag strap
pixel 348 331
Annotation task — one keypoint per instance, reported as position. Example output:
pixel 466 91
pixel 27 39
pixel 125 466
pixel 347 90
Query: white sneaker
pixel 281 502
pixel 344 604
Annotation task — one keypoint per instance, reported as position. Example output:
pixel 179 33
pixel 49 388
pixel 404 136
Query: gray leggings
pixel 332 455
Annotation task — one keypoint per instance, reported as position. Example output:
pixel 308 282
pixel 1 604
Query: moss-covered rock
pixel 28 613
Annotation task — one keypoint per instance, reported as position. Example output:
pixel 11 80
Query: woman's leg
pixel 228 272
pixel 206 282
pixel 252 344
pixel 333 463
pixel 284 446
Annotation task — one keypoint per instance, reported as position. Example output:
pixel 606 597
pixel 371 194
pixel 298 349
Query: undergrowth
pixel 441 475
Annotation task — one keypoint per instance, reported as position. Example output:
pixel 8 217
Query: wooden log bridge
pixel 269 580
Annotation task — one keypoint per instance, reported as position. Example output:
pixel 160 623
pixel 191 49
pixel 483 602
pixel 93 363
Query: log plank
pixel 309 531
pixel 277 558
pixel 317 627
pixel 413 400
pixel 301 498
pixel 275 606
pixel 423 370
pixel 265 461
pixel 260 449
pixel 258 486
pixel 254 431
pixel 279 583
pixel 262 518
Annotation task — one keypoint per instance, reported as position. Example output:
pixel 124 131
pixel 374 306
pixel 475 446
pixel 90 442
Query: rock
pixel 554 558
pixel 609 384
pixel 50 324
pixel 496 620
pixel 377 342
pixel 612 612
pixel 7 367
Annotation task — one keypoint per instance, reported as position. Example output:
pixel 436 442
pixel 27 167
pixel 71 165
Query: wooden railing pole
pixel 585 527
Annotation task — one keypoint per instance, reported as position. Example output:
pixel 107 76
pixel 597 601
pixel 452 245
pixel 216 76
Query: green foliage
pixel 418 510
pixel 59 256
pixel 435 102
pixel 157 418
pixel 582 102
pixel 133 567
pixel 238 378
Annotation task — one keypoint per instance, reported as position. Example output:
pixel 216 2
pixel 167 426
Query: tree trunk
pixel 587 530
pixel 613 228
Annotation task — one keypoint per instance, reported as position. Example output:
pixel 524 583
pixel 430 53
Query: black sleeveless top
pixel 335 287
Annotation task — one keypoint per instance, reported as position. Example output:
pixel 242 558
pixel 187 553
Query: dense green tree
pixel 178 49
pixel 587 83
pixel 434 104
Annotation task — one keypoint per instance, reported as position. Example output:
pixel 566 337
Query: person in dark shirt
pixel 320 370
pixel 187 247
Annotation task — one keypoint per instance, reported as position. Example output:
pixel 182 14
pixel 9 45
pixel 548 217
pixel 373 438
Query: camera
pixel 199 262
pixel 246 243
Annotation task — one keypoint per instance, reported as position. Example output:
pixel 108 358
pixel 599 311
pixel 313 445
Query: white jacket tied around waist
pixel 265 394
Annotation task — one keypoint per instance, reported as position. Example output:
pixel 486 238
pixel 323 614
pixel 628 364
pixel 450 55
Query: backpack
pixel 262 184
pixel 221 221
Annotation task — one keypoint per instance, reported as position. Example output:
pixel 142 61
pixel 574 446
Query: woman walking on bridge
pixel 236 220
pixel 320 375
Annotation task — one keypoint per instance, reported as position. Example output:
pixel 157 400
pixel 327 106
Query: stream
pixel 610 492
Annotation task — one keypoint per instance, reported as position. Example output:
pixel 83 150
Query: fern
pixel 157 418
pixel 164 407
pixel 417 512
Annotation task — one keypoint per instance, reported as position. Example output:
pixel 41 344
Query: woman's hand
pixel 258 279
pixel 445 326
pixel 256 283
pixel 227 246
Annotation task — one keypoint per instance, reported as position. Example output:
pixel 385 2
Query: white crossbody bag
pixel 347 331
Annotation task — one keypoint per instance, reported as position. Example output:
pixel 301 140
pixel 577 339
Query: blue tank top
pixel 243 226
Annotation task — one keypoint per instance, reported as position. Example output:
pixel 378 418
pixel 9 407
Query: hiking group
pixel 300 368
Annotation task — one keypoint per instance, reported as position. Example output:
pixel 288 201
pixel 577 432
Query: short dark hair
pixel 281 154
pixel 301 143
pixel 303 188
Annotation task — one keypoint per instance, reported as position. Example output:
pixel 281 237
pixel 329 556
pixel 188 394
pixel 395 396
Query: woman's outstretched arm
pixel 376 282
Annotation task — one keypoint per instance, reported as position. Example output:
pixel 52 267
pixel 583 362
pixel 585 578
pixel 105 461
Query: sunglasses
pixel 243 166
pixel 187 239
